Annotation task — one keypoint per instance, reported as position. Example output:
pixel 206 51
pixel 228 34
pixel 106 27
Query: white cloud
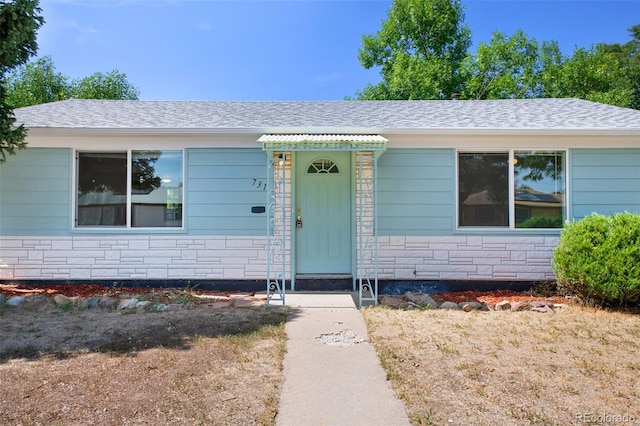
pixel 83 33
pixel 327 78
pixel 205 26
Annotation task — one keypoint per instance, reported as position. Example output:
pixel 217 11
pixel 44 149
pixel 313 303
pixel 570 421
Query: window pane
pixel 539 182
pixel 323 165
pixel 156 189
pixel 102 186
pixel 483 189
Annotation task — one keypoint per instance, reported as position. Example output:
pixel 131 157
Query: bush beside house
pixel 598 258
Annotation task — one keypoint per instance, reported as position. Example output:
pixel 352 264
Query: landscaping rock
pixel 36 298
pixel 538 304
pixel 449 305
pixel 158 307
pixel 142 305
pixel 470 306
pixel 61 299
pixel 16 301
pixel 421 299
pixel 543 309
pixel 518 306
pixel 392 301
pixel 93 302
pixel 128 303
pixel 173 307
pixel 106 302
pixel 503 306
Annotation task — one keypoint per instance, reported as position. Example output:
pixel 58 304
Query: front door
pixel 323 213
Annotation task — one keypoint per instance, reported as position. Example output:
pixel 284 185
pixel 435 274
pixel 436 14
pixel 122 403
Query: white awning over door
pixel 326 142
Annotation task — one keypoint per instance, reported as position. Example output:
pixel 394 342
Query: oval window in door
pixel 323 165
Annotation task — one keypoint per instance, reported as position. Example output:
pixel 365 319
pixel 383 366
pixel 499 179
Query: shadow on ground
pixel 48 331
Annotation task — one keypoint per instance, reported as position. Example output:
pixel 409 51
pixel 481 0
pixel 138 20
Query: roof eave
pixel 64 131
pixel 330 130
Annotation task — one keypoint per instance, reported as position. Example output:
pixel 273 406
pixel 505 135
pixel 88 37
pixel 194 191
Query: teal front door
pixel 323 213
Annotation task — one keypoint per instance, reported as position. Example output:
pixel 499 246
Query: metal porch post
pixel 276 228
pixel 367 233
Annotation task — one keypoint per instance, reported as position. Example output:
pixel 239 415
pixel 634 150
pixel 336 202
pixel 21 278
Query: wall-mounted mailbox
pixel 258 209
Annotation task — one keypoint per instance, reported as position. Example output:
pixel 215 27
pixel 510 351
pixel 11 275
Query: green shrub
pixel 542 222
pixel 598 258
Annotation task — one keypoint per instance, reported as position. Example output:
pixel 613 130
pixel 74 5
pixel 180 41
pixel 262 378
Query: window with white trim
pixel 512 189
pixel 132 189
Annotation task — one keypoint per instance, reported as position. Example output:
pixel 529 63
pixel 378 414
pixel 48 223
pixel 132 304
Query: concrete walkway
pixel 332 375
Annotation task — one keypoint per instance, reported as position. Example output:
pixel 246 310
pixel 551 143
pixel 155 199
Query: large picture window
pixel 137 189
pixel 514 189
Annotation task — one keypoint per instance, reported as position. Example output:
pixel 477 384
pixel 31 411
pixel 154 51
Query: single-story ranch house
pixel 297 194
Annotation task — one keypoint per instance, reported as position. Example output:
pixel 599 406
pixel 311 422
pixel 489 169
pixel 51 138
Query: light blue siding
pixel 416 190
pixel 35 193
pixel 604 181
pixel 222 185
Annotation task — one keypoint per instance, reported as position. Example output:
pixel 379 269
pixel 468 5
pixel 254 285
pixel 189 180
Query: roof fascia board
pixel 330 130
pixel 529 141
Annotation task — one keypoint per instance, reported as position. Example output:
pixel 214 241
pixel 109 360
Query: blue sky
pixel 276 49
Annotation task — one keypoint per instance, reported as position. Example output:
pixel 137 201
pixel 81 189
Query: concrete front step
pixel 324 282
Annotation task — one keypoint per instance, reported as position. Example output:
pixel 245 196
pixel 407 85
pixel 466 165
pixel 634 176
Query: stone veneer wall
pixel 466 258
pixel 164 257
pixel 148 257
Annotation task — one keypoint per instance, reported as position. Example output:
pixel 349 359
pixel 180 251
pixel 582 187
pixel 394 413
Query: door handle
pixel 298 221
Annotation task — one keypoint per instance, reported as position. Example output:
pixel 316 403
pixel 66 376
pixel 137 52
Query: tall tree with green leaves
pixel 516 66
pixel 505 68
pixel 628 56
pixel 38 82
pixel 112 85
pixel 595 75
pixel 419 49
pixel 35 83
pixel 19 24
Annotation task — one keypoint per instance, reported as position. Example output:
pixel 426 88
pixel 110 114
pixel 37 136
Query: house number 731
pixel 258 184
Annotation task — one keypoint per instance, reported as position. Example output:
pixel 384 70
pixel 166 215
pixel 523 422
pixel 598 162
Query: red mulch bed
pixel 90 290
pixel 493 297
pixel 70 290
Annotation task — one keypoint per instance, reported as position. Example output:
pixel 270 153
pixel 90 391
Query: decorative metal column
pixel 277 227
pixel 366 222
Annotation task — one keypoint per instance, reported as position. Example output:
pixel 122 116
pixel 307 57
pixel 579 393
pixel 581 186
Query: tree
pixel 113 85
pixel 596 75
pixel 505 68
pixel 628 56
pixel 38 83
pixel 419 48
pixel 519 67
pixel 19 23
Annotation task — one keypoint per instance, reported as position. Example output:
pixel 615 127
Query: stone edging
pixel 423 301
pixel 134 303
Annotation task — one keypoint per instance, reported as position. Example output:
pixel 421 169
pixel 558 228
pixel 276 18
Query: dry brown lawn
pixel 575 366
pixel 70 366
pixel 199 366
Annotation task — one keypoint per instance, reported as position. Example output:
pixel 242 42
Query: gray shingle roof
pixel 378 116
